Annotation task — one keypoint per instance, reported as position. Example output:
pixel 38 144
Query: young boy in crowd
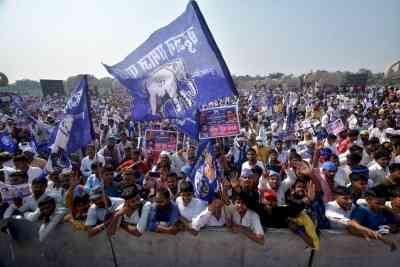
pixel 246 221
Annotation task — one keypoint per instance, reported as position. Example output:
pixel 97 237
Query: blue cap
pixel 329 166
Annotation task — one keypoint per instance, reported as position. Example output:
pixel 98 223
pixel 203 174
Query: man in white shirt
pixel 380 168
pixel 252 161
pixel 131 215
pixel 379 131
pixel 246 221
pixel 21 163
pixel 338 211
pixel 178 159
pixel 189 206
pixel 101 212
pixel 215 215
pixel 86 163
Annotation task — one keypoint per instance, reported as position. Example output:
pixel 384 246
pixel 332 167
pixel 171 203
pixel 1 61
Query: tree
pixel 276 75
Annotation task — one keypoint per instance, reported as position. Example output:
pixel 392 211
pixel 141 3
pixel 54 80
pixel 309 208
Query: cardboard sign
pixel 219 122
pixel 335 127
pixel 10 192
pixel 159 140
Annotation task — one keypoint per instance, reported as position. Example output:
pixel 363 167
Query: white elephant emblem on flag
pixel 64 131
pixel 170 85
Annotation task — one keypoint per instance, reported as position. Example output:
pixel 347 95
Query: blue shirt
pixel 367 218
pixel 169 216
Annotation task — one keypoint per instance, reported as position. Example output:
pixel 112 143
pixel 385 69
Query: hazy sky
pixel 58 38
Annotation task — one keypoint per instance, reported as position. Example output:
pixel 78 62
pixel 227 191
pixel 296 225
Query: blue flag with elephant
pixel 175 71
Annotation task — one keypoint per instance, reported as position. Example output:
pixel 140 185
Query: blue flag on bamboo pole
pixel 178 69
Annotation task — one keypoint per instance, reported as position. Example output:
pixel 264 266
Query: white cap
pixel 164 153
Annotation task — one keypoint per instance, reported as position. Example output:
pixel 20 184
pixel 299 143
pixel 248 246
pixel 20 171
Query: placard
pixel 219 122
pixel 10 192
pixel 335 127
pixel 159 140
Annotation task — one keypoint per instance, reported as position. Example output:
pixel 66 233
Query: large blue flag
pixel 75 130
pixel 175 71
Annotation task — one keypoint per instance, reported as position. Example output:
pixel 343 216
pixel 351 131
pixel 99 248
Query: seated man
pixel 338 211
pixel 246 221
pixel 373 220
pixel 164 214
pixel 132 215
pixel 101 211
pixel 49 215
pixel 215 215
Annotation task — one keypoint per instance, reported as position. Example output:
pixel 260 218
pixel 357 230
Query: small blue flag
pixel 75 130
pixel 7 143
pixel 178 69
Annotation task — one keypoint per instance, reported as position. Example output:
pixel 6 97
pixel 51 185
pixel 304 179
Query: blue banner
pixel 75 131
pixel 175 71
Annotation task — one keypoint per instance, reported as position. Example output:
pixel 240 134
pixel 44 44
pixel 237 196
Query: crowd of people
pixel 303 160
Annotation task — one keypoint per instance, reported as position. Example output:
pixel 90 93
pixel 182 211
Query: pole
pixel 106 207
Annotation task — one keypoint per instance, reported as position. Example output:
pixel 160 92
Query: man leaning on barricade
pixel 348 179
